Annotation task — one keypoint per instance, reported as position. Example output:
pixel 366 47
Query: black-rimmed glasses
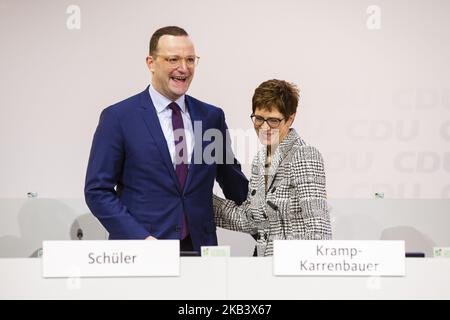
pixel 272 122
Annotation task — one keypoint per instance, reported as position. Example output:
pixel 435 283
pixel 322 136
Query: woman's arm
pixel 229 215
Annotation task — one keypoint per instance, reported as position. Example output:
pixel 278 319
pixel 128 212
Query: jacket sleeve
pixel 233 182
pixel 308 174
pixel 229 215
pixel 103 176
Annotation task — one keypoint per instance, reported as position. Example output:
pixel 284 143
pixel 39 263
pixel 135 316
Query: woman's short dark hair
pixel 277 94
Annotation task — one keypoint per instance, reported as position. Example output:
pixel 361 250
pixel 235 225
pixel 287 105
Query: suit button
pixel 253 192
pixel 272 205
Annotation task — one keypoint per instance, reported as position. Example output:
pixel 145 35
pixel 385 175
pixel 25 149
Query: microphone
pixel 80 234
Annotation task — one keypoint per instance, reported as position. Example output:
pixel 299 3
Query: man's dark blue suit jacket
pixel 131 185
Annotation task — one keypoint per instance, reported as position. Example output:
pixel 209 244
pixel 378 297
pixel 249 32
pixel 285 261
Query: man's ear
pixel 150 63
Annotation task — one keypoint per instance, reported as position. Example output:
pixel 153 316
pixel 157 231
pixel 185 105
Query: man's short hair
pixel 280 94
pixel 170 30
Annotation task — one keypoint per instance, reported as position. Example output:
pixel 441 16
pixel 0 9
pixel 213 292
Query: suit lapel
pixel 276 159
pixel 195 115
pixel 280 155
pixel 151 120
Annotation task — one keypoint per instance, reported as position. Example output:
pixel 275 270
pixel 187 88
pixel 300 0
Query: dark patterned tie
pixel 181 157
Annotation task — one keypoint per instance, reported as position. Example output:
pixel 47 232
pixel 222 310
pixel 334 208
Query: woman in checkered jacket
pixel 286 197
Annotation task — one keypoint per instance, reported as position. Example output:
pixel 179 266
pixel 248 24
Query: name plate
pixel 111 258
pixel 338 258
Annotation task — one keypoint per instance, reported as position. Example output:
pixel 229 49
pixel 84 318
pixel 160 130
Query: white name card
pixel 338 258
pixel 111 258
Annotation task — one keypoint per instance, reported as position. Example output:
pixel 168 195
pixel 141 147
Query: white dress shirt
pixel 165 120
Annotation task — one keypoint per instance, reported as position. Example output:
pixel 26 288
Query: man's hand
pixel 150 238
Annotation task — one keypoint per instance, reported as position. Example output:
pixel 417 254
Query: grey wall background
pixel 376 102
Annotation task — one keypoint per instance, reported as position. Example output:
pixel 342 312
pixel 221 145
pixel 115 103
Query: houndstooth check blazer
pixel 294 206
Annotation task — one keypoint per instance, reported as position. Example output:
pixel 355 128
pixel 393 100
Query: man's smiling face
pixel 172 81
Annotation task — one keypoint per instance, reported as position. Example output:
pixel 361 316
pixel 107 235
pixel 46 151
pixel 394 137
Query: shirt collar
pixel 161 102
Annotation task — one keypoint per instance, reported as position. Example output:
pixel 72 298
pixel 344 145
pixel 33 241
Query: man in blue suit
pixel 140 183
